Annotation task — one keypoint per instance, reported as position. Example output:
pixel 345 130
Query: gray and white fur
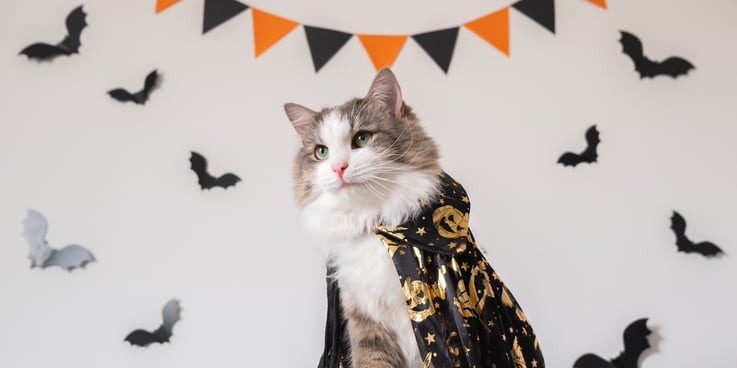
pixel 365 163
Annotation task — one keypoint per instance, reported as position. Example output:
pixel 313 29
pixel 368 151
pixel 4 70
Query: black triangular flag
pixel 439 45
pixel 541 11
pixel 324 44
pixel 218 12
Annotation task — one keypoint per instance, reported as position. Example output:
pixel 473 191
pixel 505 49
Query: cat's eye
pixel 321 152
pixel 362 139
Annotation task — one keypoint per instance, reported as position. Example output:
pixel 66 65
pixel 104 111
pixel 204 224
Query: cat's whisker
pixel 371 188
pixel 401 154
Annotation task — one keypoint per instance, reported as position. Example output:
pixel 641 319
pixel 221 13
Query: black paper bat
pixel 207 181
pixel 672 66
pixel 42 255
pixel 139 97
pixel 162 334
pixel 588 155
pixel 635 342
pixel 69 45
pixel 684 244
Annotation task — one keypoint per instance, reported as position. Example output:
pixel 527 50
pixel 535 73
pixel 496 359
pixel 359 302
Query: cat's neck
pixel 337 217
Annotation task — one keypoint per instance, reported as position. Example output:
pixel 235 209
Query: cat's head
pixel 363 153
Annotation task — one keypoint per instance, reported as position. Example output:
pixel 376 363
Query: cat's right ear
pixel 301 118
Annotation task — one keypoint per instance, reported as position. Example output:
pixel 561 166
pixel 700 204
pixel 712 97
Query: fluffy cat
pixel 364 165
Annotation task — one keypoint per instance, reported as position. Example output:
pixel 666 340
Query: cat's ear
pixel 301 118
pixel 385 89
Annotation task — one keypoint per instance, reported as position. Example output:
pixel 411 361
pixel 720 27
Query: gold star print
pixel 534 363
pixel 442 201
pixel 490 324
pixel 421 231
pixel 430 338
pixel 402 252
pixel 452 245
pixel 465 199
pixel 465 266
pixel 437 305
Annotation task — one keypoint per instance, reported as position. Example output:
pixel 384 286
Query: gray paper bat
pixel 42 255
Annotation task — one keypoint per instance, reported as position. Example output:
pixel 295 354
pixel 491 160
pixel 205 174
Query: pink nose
pixel 339 168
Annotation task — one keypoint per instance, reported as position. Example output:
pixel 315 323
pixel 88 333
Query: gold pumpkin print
pixel 450 222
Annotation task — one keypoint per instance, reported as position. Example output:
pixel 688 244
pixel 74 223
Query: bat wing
pixel 226 180
pixel 121 94
pixel 674 66
pixel 678 224
pixel 42 51
pixel 35 227
pixel 684 244
pixel 150 83
pixel 141 96
pixel 592 361
pixel 632 47
pixel 592 136
pixel 142 338
pixel 170 314
pixel 590 154
pixel 570 159
pixel 635 342
pixel 199 166
pixel 69 257
pixel 76 21
pixel 705 248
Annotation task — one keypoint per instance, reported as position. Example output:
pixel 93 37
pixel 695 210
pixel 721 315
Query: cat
pixel 365 169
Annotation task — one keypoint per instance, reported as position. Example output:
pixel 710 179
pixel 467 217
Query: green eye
pixel 362 139
pixel 321 152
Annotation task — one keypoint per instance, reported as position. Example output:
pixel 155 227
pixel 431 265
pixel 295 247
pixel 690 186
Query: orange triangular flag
pixel 163 4
pixel 601 3
pixel 382 49
pixel 268 28
pixel 494 28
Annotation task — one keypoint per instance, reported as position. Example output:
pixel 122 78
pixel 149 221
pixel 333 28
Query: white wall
pixel 585 250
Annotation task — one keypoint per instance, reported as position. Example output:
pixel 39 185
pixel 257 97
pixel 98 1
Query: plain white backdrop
pixel 585 251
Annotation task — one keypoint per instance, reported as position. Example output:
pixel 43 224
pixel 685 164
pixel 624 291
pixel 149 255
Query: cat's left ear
pixel 385 88
pixel 301 118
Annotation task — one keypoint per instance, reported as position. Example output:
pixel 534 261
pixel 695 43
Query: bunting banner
pixel 599 3
pixel 269 28
pixel 439 45
pixel 163 4
pixel 324 44
pixel 382 49
pixel 494 28
pixel 541 11
pixel 218 12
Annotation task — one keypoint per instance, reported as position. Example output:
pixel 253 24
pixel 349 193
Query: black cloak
pixel 462 313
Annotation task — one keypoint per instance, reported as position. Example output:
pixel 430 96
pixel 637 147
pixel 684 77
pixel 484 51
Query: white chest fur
pixel 368 278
